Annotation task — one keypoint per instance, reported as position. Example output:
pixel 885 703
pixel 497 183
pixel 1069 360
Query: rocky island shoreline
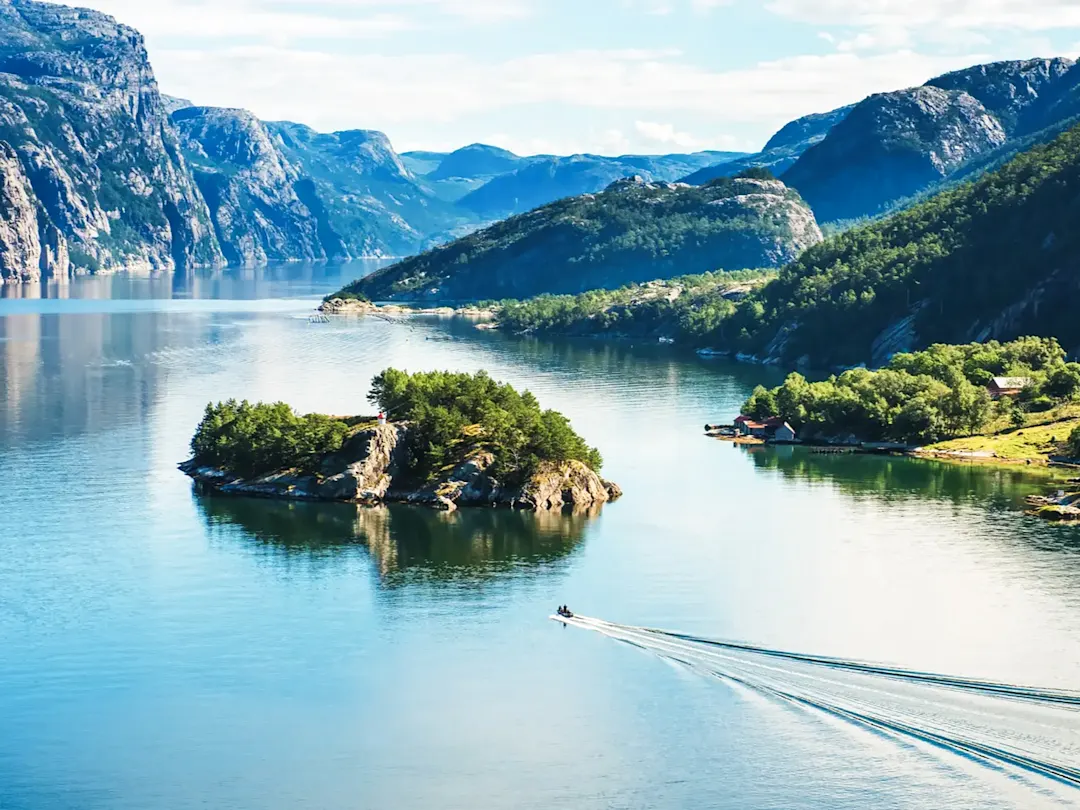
pixel 370 470
pixel 454 440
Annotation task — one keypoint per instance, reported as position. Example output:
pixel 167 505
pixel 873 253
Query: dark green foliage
pixel 636 310
pixel 756 173
pixel 1074 443
pixel 958 261
pixel 349 296
pixel 247 439
pixel 448 411
pixel 629 234
pixel 925 396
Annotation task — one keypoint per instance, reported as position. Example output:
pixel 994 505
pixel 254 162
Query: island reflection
pixel 407 543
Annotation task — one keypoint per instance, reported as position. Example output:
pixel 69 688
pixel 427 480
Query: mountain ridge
pixel 633 231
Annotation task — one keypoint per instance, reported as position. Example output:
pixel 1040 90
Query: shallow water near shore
pixel 163 649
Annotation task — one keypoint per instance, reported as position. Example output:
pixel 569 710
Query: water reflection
pixel 406 543
pixel 897 478
pixel 273 281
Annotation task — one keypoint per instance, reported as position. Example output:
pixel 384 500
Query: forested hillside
pixel 633 232
pixel 993 259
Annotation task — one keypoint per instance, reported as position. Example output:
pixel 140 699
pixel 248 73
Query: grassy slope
pixel 1044 435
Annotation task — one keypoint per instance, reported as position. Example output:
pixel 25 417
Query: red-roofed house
pixel 773 428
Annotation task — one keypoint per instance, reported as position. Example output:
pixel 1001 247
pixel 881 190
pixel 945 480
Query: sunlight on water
pixel 163 649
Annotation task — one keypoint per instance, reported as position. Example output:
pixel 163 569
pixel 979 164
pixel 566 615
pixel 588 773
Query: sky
pixel 566 76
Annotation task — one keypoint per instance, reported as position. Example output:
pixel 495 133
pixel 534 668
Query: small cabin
pixel 1008 386
pixel 785 434
pixel 774 429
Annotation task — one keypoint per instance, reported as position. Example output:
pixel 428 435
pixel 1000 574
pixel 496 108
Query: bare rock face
pixel 31 247
pixel 370 461
pixel 369 470
pixel 568 485
pixel 80 105
pixel 249 185
pixel 895 145
pixel 891 146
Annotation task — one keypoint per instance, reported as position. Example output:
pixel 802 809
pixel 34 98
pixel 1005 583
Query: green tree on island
pixel 449 416
pixel 445 409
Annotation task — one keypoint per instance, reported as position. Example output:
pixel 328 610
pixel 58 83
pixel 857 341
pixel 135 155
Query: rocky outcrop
pixel 31 247
pixel 250 188
pixel 893 146
pixel 365 199
pixel 80 105
pixel 1024 96
pixel 371 469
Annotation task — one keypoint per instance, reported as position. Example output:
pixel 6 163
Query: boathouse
pixel 1008 386
pixel 774 429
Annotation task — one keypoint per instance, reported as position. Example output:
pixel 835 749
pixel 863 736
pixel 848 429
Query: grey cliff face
pixel 80 105
pixel 891 146
pixel 249 186
pixel 895 145
pixel 366 196
pixel 31 247
pixel 1019 94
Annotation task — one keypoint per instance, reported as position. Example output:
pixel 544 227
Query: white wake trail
pixel 1032 730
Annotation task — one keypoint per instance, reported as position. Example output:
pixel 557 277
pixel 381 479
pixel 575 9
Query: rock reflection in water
pixel 407 543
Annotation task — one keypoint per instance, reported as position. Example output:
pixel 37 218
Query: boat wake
pixel 1019 729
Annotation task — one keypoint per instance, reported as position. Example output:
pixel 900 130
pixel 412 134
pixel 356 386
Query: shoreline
pixel 370 469
pixel 358 308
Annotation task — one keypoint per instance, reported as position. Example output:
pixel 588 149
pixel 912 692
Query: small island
pixel 443 440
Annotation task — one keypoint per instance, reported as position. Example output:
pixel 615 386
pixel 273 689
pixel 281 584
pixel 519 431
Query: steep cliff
pixel 363 192
pixel 635 231
pixel 31 247
pixel 80 105
pixel 250 188
pixel 892 146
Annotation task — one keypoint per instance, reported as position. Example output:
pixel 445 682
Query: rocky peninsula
pixel 456 440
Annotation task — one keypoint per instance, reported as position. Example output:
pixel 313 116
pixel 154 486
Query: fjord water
pixel 164 649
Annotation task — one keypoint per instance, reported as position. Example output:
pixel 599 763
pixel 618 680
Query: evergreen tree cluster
pixel 450 412
pixel 924 397
pixel 254 439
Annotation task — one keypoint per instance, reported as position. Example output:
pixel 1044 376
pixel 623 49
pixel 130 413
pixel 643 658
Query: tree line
pixel 925 397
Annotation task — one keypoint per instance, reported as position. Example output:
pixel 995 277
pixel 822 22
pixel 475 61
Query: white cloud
pixel 283 21
pixel 336 91
pixel 1026 15
pixel 667 135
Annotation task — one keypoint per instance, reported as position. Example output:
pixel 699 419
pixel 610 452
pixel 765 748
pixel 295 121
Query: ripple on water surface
pixel 164 649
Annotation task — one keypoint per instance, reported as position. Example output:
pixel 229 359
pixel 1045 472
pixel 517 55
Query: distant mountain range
pixel 105 172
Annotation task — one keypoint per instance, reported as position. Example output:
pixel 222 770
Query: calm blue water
pixel 158 649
